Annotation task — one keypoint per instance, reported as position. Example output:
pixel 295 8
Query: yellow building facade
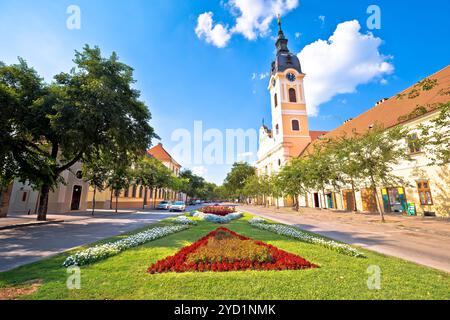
pixel 136 196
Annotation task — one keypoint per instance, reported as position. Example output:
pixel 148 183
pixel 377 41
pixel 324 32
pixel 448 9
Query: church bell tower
pixel 288 105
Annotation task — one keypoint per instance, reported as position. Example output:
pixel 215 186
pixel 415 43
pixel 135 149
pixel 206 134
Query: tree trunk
pixel 117 202
pixel 377 201
pixel 145 199
pixel 111 200
pixel 1 197
pixel 43 203
pixel 93 200
pixel 324 200
pixel 354 196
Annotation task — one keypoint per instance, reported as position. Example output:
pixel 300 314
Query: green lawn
pixel 339 277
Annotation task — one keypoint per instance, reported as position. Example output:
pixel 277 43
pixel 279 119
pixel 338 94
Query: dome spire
pixel 281 41
pixel 284 59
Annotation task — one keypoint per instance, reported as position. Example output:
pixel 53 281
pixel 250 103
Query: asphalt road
pixel 28 244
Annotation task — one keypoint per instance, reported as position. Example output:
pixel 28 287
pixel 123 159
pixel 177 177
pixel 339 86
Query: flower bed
pixel 257 220
pixel 218 252
pixel 218 219
pixel 107 250
pixel 184 220
pixel 218 210
pixel 309 238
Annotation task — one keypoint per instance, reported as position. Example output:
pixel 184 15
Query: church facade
pixel 290 133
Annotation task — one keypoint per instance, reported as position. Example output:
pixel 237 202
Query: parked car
pixel 164 205
pixel 178 206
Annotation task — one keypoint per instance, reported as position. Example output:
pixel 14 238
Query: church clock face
pixel 291 77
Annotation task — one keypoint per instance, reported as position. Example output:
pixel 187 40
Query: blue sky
pixel 183 78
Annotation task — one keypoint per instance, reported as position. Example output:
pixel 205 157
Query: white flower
pixel 106 250
pixel 257 220
pixel 309 238
pixel 184 220
pixel 218 219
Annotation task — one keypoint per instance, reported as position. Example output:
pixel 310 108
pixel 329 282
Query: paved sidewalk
pixel 424 241
pixel 24 245
pixel 19 221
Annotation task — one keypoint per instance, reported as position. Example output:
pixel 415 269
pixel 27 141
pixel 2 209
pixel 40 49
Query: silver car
pixel 164 205
pixel 178 206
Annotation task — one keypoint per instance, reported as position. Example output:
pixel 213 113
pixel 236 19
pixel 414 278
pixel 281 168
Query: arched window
pixel 126 193
pixel 277 129
pixel 133 195
pixel 292 95
pixel 295 125
pixel 141 191
pixel 276 100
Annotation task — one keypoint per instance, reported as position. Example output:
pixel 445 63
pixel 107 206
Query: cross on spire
pixel 281 41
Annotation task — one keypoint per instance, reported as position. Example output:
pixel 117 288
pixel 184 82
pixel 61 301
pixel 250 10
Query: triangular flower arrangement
pixel 224 250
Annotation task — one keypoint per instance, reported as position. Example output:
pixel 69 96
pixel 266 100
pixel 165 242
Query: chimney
pixel 380 101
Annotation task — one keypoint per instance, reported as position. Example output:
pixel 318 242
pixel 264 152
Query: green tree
pixel 89 110
pixel 96 172
pixel 292 179
pixel 20 87
pixel 119 179
pixel 265 185
pixel 276 189
pixel 252 188
pixel 178 184
pixel 320 170
pixel 346 166
pixel 151 174
pixel 378 151
pixel 435 137
pixel 193 187
pixel 235 180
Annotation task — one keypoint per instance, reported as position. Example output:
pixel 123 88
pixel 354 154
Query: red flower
pixel 282 260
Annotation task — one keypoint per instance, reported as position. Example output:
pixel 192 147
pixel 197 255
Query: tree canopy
pixel 50 127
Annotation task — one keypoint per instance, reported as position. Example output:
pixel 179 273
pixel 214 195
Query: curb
pixel 32 224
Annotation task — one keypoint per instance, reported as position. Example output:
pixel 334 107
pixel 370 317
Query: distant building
pixel 136 196
pixel 68 197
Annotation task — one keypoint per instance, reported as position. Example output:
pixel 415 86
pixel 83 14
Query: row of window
pixel 159 193
pixel 292 97
pixel 295 126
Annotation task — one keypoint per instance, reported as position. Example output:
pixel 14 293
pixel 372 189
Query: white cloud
pixel 337 66
pixel 322 19
pixel 262 76
pixel 217 35
pixel 298 35
pixel 253 19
